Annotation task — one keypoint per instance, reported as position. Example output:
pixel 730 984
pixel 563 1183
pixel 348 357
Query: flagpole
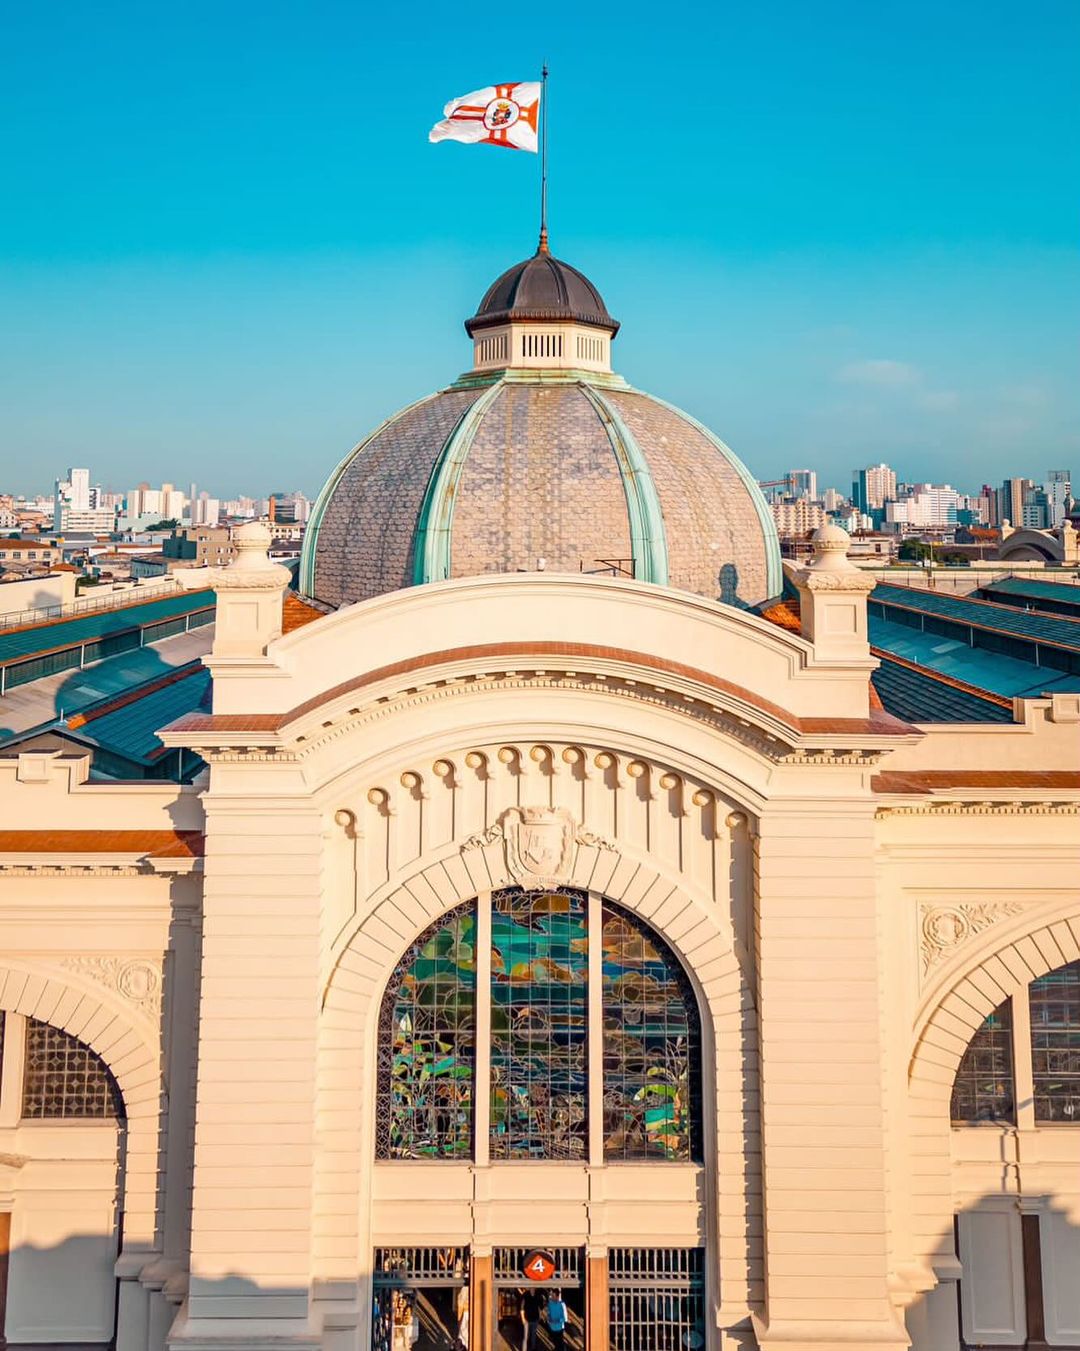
pixel 543 246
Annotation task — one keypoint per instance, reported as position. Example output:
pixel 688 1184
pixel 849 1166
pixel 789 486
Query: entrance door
pixel 421 1299
pixel 517 1298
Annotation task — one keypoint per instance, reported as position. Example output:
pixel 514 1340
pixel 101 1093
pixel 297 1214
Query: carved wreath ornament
pixel 136 981
pixel 541 844
pixel 945 927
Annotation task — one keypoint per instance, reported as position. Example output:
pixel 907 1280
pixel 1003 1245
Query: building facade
pixel 544 927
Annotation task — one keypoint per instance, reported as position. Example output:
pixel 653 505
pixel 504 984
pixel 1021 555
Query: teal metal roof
pixel 922 696
pixel 21 643
pixel 1012 590
pixel 130 728
pixel 1030 626
pixel 986 670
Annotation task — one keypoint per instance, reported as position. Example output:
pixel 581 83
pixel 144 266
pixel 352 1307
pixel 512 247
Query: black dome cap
pixel 542 288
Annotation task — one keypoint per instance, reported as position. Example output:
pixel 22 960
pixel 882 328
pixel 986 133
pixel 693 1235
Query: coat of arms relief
pixel 541 844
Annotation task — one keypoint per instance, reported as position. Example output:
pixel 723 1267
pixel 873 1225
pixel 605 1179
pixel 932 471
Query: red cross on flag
pixel 501 114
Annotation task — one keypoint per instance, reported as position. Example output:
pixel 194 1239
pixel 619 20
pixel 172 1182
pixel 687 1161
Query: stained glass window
pixel 539 1016
pixel 427 1045
pixel 64 1078
pixel 1055 1043
pixel 983 1087
pixel 652 1046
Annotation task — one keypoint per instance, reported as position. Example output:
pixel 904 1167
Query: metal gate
pixel 420 1298
pixel 657 1299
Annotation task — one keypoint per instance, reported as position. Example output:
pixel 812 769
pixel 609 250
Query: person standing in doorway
pixel 531 1308
pixel 556 1320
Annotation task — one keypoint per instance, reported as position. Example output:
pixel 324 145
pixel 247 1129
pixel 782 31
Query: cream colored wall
pixel 810 911
pixel 537 347
pixel 103 945
pixel 599 611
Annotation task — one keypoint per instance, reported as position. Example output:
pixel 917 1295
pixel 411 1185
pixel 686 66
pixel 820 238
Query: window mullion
pixel 595 1034
pixel 482 1068
pixel 1023 1079
pixel 11 1096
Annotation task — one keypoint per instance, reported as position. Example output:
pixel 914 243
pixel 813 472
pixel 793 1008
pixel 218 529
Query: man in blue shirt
pixel 556 1320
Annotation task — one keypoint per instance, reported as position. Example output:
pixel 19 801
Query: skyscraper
pixel 873 486
pixel 803 483
pixel 1058 491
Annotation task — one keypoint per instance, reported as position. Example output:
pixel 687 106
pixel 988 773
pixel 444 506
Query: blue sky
pixel 836 232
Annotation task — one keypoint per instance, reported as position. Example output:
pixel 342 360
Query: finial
pixel 542 247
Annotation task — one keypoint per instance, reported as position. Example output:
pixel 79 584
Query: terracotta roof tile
pixel 786 614
pixel 149 843
pixel 295 613
pixel 941 780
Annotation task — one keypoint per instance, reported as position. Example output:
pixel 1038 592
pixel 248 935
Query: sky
pixel 837 233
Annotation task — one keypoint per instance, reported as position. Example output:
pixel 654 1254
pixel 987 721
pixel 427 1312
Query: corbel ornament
pixel 945 928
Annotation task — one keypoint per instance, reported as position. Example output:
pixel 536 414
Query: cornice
pixel 777 743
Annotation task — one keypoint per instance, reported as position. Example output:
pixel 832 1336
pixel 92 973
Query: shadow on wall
pixel 1018 1259
pixel 728 580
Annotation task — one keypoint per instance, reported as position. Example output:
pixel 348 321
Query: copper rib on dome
pixel 542 288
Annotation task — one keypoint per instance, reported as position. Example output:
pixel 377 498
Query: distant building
pixel 1013 492
pixel 873 487
pixel 72 497
pixel 803 483
pixel 200 546
pixel 927 506
pixel 797 518
pixel 26 553
pixel 1058 489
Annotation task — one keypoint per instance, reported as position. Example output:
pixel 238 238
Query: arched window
pixel 595 1042
pixel 652 1046
pixel 983 1087
pixel 1054 1002
pixel 427 1045
pixel 64 1079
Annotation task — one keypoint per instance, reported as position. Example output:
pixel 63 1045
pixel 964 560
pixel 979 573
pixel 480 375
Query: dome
pixel 541 458
pixel 541 288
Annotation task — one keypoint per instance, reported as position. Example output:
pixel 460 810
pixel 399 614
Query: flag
pixel 501 114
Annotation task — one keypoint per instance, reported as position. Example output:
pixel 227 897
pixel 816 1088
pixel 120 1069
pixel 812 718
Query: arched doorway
pixel 540 1060
pixel 62 1137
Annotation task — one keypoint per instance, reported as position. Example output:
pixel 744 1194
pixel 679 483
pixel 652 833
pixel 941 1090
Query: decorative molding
pixel 540 844
pixel 946 927
pixel 777 747
pixel 73 870
pixel 814 579
pixel 134 979
pixel 951 807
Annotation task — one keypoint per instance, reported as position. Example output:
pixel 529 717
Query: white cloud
pixel 938 400
pixel 880 372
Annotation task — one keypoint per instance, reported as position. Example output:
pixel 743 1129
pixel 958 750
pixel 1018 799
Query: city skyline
pixel 246 275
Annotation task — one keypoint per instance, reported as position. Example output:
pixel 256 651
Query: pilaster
pixel 251 1255
pixel 826 1239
